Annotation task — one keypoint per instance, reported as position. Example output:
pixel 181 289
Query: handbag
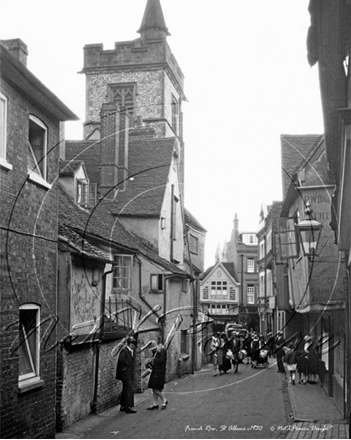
pixel 229 354
pixel 146 373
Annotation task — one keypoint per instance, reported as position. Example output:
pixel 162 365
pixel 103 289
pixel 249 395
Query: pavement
pixel 314 415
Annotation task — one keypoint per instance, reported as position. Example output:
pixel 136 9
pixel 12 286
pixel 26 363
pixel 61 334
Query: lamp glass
pixel 309 232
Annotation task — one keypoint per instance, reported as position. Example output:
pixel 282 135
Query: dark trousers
pixel 127 396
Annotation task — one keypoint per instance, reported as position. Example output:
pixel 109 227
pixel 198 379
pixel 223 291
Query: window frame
pixel 250 267
pixel 160 278
pixel 33 174
pixel 115 286
pixel 184 342
pixel 219 292
pixel 249 287
pixel 3 132
pixel 34 376
pixel 82 192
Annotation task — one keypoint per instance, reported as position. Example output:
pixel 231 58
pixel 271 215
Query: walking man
pixel 125 373
pixel 280 351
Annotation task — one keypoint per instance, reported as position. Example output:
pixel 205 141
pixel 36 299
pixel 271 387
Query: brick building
pixel 242 250
pixel 30 137
pixel 132 157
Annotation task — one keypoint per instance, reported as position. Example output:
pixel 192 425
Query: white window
pixel 219 288
pixel 157 282
pixel 29 343
pixel 37 147
pixel 82 194
pixel 251 265
pixel 122 272
pixel 250 294
pixel 3 126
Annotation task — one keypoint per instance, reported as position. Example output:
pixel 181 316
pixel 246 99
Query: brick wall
pixel 76 378
pixel 28 273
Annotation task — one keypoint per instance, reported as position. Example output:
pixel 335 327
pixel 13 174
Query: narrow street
pixel 250 404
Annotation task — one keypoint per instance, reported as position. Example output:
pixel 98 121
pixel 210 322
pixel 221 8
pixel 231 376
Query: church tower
pixel 140 76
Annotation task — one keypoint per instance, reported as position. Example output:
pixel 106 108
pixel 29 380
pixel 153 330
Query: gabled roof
pixel 89 152
pixel 149 162
pixel 69 167
pixel 192 221
pixel 294 150
pixel 102 225
pixel 229 267
pixel 153 17
pixel 15 73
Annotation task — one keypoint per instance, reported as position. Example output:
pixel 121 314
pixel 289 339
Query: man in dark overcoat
pixel 125 373
pixel 280 342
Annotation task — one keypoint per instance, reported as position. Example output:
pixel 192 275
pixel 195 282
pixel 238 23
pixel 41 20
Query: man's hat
pixel 131 340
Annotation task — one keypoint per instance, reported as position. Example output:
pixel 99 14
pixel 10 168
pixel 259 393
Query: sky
pixel 247 81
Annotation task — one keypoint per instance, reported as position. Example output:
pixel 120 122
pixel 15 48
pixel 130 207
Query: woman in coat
pixel 157 376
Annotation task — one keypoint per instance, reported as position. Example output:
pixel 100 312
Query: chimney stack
pixel 17 48
pixel 114 149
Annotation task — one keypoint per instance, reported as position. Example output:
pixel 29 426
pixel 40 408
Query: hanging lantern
pixel 309 231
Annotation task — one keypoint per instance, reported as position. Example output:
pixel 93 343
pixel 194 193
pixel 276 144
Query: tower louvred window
pixel 124 95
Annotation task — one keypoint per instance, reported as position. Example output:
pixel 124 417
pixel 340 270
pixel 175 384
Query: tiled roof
pixel 294 150
pixel 230 267
pixel 69 167
pixel 71 241
pixel 149 161
pixel 274 212
pixel 89 152
pixel 101 224
pixel 191 220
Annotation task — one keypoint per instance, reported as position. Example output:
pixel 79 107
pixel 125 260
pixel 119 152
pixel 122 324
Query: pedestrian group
pixel 227 352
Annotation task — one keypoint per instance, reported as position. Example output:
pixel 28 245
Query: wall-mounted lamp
pixel 96 276
pixel 163 222
pixel 309 231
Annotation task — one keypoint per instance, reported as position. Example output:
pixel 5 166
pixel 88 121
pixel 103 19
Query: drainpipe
pixel 142 297
pixel 97 343
pixel 172 224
